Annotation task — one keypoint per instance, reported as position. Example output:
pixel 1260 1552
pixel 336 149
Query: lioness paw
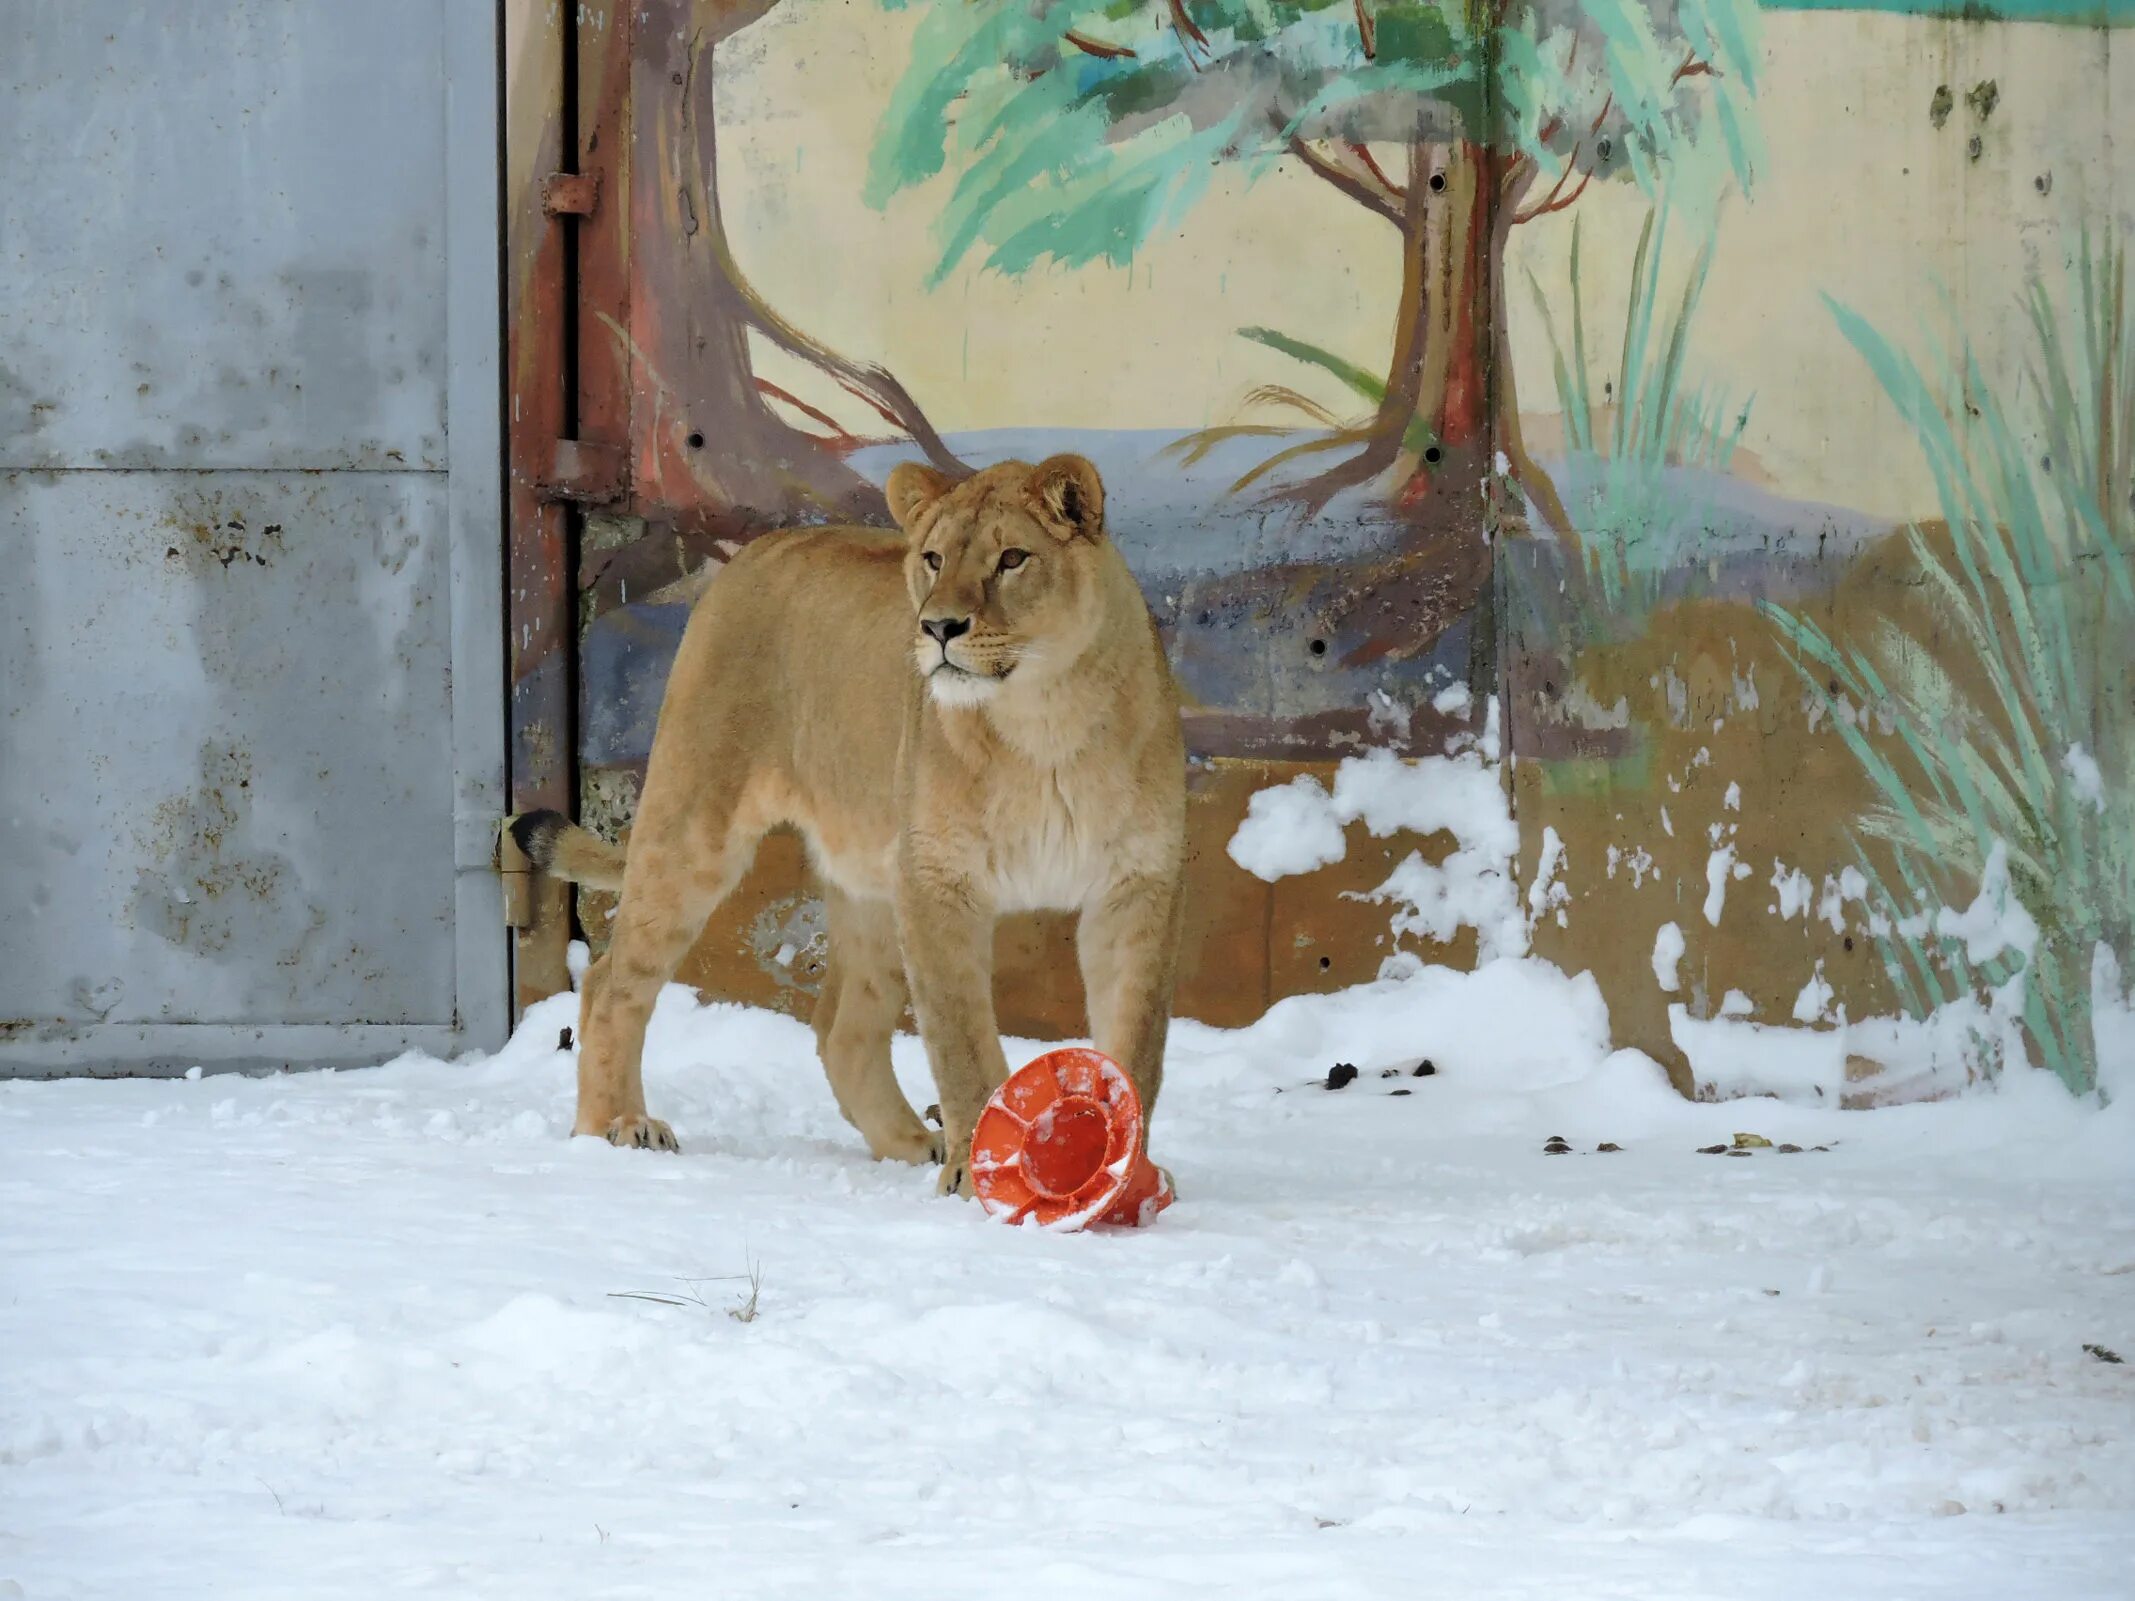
pixel 916 1146
pixel 642 1133
pixel 956 1177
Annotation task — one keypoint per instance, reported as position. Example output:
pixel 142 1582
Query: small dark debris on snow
pixel 1712 1150
pixel 1341 1074
pixel 1819 1147
pixel 1400 1092
pixel 1790 1150
pixel 1389 1072
pixel 2101 1354
pixel 1555 1145
pixel 1740 1150
pixel 1425 1068
pixel 563 1040
pixel 1607 1145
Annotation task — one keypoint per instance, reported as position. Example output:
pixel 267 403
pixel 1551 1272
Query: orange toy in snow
pixel 1061 1144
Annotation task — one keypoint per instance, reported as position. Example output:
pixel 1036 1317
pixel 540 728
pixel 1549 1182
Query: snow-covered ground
pixel 373 1333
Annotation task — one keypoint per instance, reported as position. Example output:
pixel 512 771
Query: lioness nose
pixel 943 629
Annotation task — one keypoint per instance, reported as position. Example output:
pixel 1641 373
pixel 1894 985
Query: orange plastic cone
pixel 1061 1143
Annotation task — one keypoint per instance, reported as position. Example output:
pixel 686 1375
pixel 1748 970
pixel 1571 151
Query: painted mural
pixel 1740 399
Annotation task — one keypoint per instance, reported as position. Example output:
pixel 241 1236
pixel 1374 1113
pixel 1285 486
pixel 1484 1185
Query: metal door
pixel 251 682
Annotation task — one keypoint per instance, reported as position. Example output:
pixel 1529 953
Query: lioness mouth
pixel 947 666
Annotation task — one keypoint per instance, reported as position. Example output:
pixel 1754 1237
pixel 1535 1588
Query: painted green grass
pixel 2015 720
pixel 1642 421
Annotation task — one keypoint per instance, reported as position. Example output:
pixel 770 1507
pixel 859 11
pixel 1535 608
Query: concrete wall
pixel 1369 434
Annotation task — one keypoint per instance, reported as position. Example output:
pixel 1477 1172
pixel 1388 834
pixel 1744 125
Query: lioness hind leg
pixel 856 1019
pixel 664 908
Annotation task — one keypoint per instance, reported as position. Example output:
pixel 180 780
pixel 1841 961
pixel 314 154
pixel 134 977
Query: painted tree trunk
pixel 1449 377
pixel 717 453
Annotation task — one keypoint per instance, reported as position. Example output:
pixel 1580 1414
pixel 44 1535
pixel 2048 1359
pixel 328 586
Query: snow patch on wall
pixel 1667 957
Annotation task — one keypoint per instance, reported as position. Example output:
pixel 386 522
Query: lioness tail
pixel 560 848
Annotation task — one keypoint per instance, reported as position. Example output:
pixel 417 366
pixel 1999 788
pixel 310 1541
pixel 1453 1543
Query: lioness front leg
pixel 1128 943
pixel 863 996
pixel 945 926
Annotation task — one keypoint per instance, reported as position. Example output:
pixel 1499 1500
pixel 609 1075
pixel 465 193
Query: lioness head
pixel 1003 569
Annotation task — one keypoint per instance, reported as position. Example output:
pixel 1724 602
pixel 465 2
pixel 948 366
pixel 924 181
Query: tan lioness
pixel 971 719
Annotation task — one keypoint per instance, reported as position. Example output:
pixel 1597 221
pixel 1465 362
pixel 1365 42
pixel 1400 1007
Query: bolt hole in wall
pixel 1319 647
pixel 1432 454
pixel 696 440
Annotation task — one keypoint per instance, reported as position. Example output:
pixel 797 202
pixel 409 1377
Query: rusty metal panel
pixel 250 626
pixel 542 658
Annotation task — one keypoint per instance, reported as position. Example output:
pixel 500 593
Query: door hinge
pixel 517 876
pixel 570 194
pixel 583 472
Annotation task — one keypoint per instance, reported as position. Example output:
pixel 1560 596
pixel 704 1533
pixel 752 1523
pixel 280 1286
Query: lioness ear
pixel 913 487
pixel 1070 495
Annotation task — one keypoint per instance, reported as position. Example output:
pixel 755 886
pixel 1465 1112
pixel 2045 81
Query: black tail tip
pixel 536 834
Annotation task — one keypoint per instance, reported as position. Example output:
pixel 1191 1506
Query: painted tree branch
pixel 1187 28
pixel 875 384
pixel 1549 202
pixel 840 437
pixel 1099 48
pixel 1365 159
pixel 1553 201
pixel 1366 190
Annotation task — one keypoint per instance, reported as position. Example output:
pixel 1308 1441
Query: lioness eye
pixel 933 560
pixel 1012 559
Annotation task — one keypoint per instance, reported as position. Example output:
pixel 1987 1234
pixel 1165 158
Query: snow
pixel 1851 884
pixel 1813 1004
pixel 1996 921
pixel 1288 828
pixel 1667 955
pixel 2082 767
pixel 1717 868
pixel 1793 888
pixel 2112 1024
pixel 367 1333
pixel 1549 895
pixel 1298 827
pixel 1730 1057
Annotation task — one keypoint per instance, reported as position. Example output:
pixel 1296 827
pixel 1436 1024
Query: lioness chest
pixel 1048 843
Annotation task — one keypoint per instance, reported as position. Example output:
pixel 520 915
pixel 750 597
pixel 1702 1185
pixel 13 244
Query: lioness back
pixel 796 669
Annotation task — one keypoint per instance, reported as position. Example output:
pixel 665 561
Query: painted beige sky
pixel 1861 197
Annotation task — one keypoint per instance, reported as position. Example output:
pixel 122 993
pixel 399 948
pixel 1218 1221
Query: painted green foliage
pixel 1081 127
pixel 2074 13
pixel 1075 130
pixel 2016 719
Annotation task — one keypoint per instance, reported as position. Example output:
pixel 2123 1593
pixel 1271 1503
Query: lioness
pixel 971 719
